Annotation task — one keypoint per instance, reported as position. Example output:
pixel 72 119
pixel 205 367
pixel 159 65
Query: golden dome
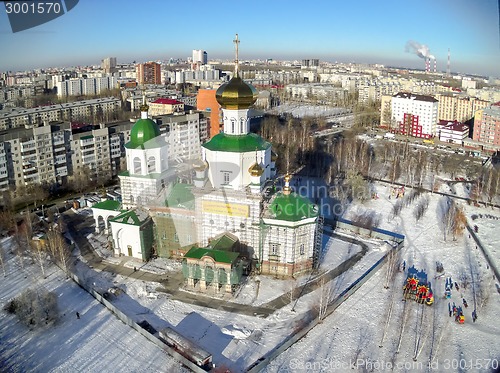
pixel 236 94
pixel 256 170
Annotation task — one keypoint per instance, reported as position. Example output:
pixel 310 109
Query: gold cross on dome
pixel 236 41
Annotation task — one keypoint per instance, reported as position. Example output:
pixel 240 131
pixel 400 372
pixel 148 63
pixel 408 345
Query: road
pixel 78 226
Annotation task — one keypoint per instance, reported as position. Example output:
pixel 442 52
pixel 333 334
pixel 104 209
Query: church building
pixel 231 191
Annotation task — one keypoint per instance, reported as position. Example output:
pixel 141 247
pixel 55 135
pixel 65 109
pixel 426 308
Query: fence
pixel 310 317
pixel 127 320
pixel 485 252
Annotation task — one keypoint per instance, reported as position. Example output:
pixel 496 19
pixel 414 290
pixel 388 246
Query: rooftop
pixel 167 101
pixel 236 143
pixel 292 207
pixel 412 96
pixel 131 217
pixel 217 255
pixel 107 205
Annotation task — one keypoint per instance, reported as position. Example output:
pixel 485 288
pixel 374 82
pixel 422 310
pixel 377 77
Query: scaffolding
pixel 318 242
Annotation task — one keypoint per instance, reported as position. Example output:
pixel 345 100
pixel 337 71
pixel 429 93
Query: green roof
pixel 108 205
pixel 292 207
pixel 142 131
pixel 218 255
pixel 129 217
pixel 181 196
pixel 223 242
pixel 236 143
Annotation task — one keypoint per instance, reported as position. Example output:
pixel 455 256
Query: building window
pixel 176 237
pixel 302 249
pixel 137 165
pixel 226 177
pixel 274 249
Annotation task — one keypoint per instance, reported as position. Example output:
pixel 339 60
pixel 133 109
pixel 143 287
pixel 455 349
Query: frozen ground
pixel 97 342
pixel 351 337
pixel 372 317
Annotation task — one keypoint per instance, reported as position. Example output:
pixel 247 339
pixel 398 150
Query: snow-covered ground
pixel 372 317
pixel 351 337
pixel 97 342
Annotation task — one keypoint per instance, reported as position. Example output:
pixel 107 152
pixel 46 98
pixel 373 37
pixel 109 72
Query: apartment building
pixel 98 109
pixel 487 125
pixel 415 115
pixel 458 107
pixel 37 155
pixel 55 153
pixel 185 133
pixel 452 132
pixel 85 86
pixel 163 106
pixel 148 73
pixel 206 101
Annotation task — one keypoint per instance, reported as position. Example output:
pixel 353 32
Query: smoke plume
pixel 420 50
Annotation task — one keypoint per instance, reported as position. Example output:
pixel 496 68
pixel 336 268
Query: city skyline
pixel 359 32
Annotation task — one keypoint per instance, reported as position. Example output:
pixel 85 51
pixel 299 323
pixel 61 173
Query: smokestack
pixel 435 65
pixel 422 51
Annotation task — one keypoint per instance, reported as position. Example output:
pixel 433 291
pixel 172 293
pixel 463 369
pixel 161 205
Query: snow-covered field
pixel 350 337
pixel 97 342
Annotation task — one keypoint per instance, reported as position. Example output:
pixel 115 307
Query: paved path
pixel 171 283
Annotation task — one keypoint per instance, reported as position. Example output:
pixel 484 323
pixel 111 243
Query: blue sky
pixel 331 30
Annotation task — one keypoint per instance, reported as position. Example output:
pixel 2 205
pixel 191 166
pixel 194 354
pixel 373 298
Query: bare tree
pixel 57 246
pixel 292 288
pixel 324 298
pixel 2 260
pixel 36 248
pixel 421 208
pixel 452 217
pixel 34 308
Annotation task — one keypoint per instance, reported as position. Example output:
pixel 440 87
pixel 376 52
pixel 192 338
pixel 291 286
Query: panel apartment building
pixel 487 125
pixel 99 109
pixel 55 153
pixel 60 152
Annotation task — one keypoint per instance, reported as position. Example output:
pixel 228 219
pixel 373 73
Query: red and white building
pixel 164 106
pixel 453 132
pixel 414 115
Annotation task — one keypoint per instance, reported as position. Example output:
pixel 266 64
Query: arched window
pixel 242 124
pixel 232 125
pixel 137 165
pixel 151 164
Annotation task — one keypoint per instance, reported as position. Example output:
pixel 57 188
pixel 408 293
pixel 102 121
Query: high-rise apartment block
pixel 414 115
pixel 149 73
pixel 96 110
pixel 109 65
pixel 200 57
pixel 487 125
pixel 455 107
pixel 85 86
